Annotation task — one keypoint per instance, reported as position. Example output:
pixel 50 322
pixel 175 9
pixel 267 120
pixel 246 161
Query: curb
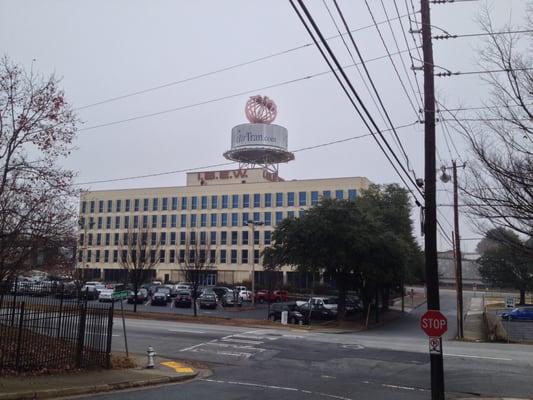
pixel 74 391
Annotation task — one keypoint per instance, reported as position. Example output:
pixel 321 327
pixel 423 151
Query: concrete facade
pixel 214 208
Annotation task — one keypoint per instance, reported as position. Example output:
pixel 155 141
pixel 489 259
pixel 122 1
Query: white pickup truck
pixel 325 302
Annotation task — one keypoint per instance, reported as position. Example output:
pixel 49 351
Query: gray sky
pixel 103 49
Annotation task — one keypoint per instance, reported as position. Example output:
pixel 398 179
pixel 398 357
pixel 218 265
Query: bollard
pixel 284 317
pixel 150 353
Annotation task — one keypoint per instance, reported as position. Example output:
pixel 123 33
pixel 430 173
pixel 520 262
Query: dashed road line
pixel 481 357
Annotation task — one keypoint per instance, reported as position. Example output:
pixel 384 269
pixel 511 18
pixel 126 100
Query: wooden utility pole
pixel 430 227
pixel 458 257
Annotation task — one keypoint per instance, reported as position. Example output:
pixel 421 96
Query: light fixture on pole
pixel 252 255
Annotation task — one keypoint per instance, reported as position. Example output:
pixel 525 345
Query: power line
pixel 450 73
pixel 464 35
pixel 345 77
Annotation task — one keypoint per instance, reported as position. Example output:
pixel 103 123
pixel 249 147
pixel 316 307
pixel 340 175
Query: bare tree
pixel 196 261
pixel 499 187
pixel 37 127
pixel 139 254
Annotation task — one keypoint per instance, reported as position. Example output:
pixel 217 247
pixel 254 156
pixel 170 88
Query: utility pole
pixel 458 257
pixel 430 227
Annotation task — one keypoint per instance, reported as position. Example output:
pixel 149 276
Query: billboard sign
pixel 259 135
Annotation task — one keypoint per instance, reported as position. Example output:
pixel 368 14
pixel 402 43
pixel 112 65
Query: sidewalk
pixel 84 382
pixel 474 324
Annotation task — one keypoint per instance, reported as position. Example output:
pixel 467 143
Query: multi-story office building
pixel 213 209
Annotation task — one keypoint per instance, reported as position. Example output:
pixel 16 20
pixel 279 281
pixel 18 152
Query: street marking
pixel 197 345
pixel 485 358
pixel 398 387
pixel 178 367
pixel 235 346
pixel 230 339
pixel 185 331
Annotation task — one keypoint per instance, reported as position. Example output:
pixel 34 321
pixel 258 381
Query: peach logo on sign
pixel 260 110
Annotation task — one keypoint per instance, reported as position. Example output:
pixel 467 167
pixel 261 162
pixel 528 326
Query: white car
pixel 106 295
pixel 245 295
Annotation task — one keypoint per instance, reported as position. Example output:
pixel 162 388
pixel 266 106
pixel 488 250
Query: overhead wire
pixel 354 92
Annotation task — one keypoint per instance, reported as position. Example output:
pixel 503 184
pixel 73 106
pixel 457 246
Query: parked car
pixel 183 299
pixel 519 314
pixel 245 295
pixel 294 315
pixel 276 296
pixel 182 286
pixel 231 299
pixel 165 291
pixel 160 298
pixel 106 295
pixel 208 300
pixel 317 310
pixel 173 290
pixel 90 292
pixel 142 295
pixel 221 291
pixel 240 288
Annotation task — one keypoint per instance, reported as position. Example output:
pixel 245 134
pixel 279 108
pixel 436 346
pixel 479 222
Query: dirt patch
pixel 120 361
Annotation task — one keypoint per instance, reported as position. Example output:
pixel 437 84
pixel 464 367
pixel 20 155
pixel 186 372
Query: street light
pixel 253 224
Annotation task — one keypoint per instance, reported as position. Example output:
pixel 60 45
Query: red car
pixel 275 296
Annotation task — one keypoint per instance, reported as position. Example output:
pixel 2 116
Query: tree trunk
pixel 341 307
pixel 385 296
pixel 194 304
pixel 522 296
pixel 135 291
pixel 376 308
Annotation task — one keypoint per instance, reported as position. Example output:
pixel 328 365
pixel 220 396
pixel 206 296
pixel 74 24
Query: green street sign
pixel 120 295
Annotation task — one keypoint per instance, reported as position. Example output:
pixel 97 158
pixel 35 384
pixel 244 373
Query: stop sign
pixel 433 323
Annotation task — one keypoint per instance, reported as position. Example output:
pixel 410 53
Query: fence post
pixel 14 301
pixel 19 337
pixel 81 337
pixel 60 316
pixel 109 334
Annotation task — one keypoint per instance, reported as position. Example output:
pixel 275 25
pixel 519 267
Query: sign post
pixel 434 324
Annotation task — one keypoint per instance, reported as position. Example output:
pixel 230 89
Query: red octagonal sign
pixel 434 323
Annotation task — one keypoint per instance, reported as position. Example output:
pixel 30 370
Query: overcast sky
pixel 103 49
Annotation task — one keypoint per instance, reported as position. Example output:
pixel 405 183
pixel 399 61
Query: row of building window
pixel 203 238
pixel 221 256
pixel 185 220
pixel 257 200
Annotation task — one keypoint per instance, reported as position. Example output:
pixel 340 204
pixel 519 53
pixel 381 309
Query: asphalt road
pixel 387 363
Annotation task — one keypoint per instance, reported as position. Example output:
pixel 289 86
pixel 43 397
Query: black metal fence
pixel 51 326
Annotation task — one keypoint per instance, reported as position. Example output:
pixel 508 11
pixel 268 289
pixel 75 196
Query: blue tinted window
pixel 173 221
pixel 184 203
pixel 145 204
pixel 203 237
pixel 164 205
pixel 268 219
pixel 314 198
pixel 109 205
pixel 92 206
pixel 172 238
pixel 145 221
pixel 117 206
pixel 136 203
pixel 213 237
pixel 290 199
pixel 155 204
pixel 244 237
pixel 267 237
pixel 193 220
pixel 182 238
pixel 234 237
pixel 302 198
pixel 224 219
pixel 234 256
pixel 174 203
pixel 234 219
pixel 108 223
pixel 257 218
pixel 245 200
pixel 244 256
pixel 257 200
pixel 224 201
pixel 135 221
pixel 101 206
pixel 326 194
pixel 204 202
pixel 268 199
pixel 339 194
pixel 183 221
pixel 203 220
pixel 127 205
pixel 154 221
pixel 222 256
pixel 99 222
pixel 223 237
pixel 279 199
pixel 163 221
pixel 194 202
pixel 235 201
pixel 245 218
pixel 279 217
pixel 290 214
pixel 352 194
pixel 213 220
pixel 117 222
pixel 214 201
pixel 256 237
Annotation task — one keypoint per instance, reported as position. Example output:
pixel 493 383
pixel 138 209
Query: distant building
pixel 214 207
pixel 470 268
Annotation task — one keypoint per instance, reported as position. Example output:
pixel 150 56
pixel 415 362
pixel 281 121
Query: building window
pixel 108 223
pixel 99 239
pixel 89 255
pixel 222 256
pixel 302 198
pixel 268 199
pixel 100 222
pixel 213 220
pixel 80 256
pixel 154 221
pixel 214 201
pixel 192 237
pixel 279 217
pixel 314 198
pixel 172 256
pixel 257 200
pixel 244 256
pixel 136 205
pixel 115 256
pixel 203 220
pixel 182 238
pixel 164 204
pixel 204 202
pixel 193 220
pixel 326 194
pixel 127 205
pixel 290 199
pixel 212 256
pixel 268 218
pixel 183 221
pixel 256 256
pixel 173 220
pixel 162 256
pixel 117 222
pixel 268 237
pixel 256 237
pixel 106 256
pixel 126 221
pixel 223 237
pixel 257 217
pixel 174 203
pixel 81 239
pixel 83 207
pixel 109 206
pixel 118 205
pixel 244 237
pixel 203 237
pixel 290 214
pixel 145 204
pixel 153 238
pixel 224 219
pixel 279 199
pixel 245 218
pixel 101 206
pixel 245 200
pixel 116 239
pixel 155 204
pixel 107 239
pixel 184 203
pixel 145 221
pixel 234 256
pixel 163 238
pixel 235 201
pixel 172 238
pixel 224 201
pixel 135 221
pixel 181 257
pixel 352 194
pixel 92 207
pixel 339 194
pixel 234 219
pixel 194 202
pixel 163 221
pixel 234 237
pixel 213 238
